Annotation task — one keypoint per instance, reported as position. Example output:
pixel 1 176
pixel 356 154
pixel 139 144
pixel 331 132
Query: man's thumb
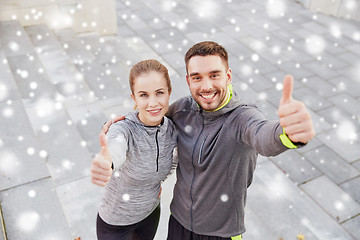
pixel 287 89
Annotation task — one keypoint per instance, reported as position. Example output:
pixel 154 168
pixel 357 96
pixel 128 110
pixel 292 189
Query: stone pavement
pixel 57 88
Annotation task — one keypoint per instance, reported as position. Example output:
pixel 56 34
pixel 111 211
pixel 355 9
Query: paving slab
pixel 353 188
pixel 347 103
pixel 344 84
pixel 336 116
pixel 322 86
pixel 352 226
pixel 335 201
pixel 296 167
pixel 343 146
pixel 21 154
pixel 286 209
pixel 331 164
pixel 320 69
pixel 33 211
pixel 80 201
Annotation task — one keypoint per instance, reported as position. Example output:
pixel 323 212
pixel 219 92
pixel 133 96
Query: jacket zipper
pixel 157 150
pixel 193 179
pixel 201 150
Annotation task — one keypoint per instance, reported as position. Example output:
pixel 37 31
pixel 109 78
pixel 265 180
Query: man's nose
pixel 206 84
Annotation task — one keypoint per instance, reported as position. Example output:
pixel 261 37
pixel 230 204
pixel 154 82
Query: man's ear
pixel 187 79
pixel 229 76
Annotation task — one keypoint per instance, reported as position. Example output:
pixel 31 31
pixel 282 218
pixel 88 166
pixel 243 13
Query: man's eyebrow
pixel 193 74
pixel 215 71
pixel 211 72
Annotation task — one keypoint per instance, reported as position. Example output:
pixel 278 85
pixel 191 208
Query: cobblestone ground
pixel 57 88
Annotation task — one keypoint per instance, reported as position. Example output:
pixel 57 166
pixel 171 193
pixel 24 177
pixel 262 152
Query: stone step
pixel 103 81
pixel 2 226
pixel 60 69
pixel 73 47
pixel 33 211
pixel 8 87
pixel 31 78
pixel 22 155
pixel 68 158
pixel 14 39
pixel 80 201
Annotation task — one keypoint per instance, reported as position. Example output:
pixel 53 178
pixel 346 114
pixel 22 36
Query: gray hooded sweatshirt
pixel 217 158
pixel 143 158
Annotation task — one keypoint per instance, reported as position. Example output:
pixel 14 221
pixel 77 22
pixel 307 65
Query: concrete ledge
pixel 80 15
pixel 348 9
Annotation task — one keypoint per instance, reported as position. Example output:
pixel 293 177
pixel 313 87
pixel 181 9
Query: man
pixel 219 138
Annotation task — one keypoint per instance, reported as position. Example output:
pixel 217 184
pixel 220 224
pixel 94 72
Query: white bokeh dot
pixel 224 197
pixel 126 197
pixel 32 193
pixel 28 221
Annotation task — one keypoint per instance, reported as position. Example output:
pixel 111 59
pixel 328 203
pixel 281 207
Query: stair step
pixel 8 87
pixel 33 211
pixel 73 46
pixel 61 71
pixel 80 201
pixel 2 226
pixel 14 39
pixel 31 79
pixel 20 153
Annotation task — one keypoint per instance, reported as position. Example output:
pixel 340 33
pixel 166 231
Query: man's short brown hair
pixel 207 48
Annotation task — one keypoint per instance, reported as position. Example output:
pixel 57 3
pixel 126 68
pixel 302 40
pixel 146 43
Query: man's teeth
pixel 208 96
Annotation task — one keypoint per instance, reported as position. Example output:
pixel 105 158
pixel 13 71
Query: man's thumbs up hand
pixel 101 170
pixel 294 117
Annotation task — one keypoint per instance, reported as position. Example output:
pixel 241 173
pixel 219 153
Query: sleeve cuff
pixel 286 141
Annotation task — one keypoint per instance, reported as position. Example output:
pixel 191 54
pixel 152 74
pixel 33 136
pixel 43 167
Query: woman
pixel 136 158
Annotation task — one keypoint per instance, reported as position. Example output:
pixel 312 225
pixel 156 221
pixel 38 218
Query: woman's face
pixel 151 95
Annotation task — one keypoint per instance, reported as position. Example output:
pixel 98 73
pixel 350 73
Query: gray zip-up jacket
pixel 143 158
pixel 217 156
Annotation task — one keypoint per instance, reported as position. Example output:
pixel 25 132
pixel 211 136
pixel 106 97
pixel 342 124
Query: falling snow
pixel 276 40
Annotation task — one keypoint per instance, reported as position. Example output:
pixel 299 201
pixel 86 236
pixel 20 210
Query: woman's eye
pixel 160 93
pixel 143 95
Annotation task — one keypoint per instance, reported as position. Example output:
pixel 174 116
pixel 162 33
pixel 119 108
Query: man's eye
pixel 196 78
pixel 143 95
pixel 215 75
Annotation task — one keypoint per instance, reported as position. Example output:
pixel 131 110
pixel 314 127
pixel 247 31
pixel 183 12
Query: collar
pixel 229 96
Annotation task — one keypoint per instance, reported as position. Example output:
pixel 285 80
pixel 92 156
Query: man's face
pixel 208 79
